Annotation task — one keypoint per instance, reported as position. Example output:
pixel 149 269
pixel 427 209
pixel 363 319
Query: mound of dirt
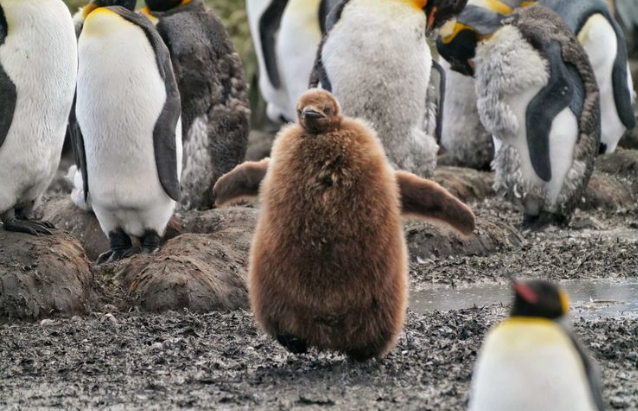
pixel 427 241
pixel 465 183
pixel 607 192
pixel 43 276
pixel 201 273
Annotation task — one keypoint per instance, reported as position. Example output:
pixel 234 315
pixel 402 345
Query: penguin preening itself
pixel 596 29
pixel 328 264
pixel 375 60
pixel 537 95
pixel 286 34
pixel 214 94
pixel 38 69
pixel 128 139
pixel 530 362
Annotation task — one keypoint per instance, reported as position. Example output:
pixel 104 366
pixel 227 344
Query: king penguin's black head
pixel 163 5
pixel 440 11
pixel 539 299
pixel 459 50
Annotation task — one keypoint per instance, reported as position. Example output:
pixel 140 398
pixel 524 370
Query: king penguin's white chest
pixel 39 55
pixel 120 97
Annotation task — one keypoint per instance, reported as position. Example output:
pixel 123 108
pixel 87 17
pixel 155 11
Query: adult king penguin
pixel 38 69
pixel 128 138
pixel 531 362
pixel 375 60
pixel 597 31
pixel 215 108
pixel 286 34
pixel 538 97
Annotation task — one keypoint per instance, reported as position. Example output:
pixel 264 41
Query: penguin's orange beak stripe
pixel 431 18
pixel 526 293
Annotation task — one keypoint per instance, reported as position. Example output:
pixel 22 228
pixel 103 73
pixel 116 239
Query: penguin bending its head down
pixel 597 31
pixel 38 69
pixel 538 97
pixel 128 137
pixel 531 362
pixel 375 60
pixel 83 12
pixel 214 94
pixel 328 265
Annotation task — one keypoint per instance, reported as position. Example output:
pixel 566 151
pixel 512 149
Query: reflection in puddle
pixel 589 298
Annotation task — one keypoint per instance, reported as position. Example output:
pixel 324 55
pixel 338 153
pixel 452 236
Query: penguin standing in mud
pixel 538 97
pixel 38 69
pixel 128 138
pixel 328 265
pixel 375 60
pixel 596 29
pixel 286 34
pixel 530 362
pixel 214 94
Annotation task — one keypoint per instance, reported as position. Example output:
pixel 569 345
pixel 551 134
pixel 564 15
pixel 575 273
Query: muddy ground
pixel 122 357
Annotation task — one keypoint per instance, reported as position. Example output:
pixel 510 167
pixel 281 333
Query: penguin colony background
pixel 156 106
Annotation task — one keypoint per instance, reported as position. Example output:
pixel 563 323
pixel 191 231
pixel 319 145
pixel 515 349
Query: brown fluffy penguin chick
pixel 328 265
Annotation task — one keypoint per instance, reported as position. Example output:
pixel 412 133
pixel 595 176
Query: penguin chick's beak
pixel 311 113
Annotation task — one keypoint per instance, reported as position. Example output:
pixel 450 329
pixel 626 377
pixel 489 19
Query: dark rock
pixel 607 192
pixel 43 276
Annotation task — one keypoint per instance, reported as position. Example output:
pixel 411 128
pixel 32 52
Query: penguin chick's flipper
pixel 241 183
pixel 427 200
pixel 13 223
pixel 292 343
pixel 121 247
pixel 7 89
pixel 268 27
pixel 164 138
pixel 544 107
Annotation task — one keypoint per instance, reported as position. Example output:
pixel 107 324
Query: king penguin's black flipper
pixel 77 140
pixel 269 24
pixel 622 93
pixel 7 89
pixel 593 376
pixel 164 143
pixel 441 103
pixel 544 108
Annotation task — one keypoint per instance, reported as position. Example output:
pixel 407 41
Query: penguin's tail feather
pixel 74 176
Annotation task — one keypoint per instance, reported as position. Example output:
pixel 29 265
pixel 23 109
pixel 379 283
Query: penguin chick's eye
pixel 327 110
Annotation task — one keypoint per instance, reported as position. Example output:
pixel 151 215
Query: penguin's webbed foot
pixel 150 242
pixel 15 224
pixel 121 247
pixel 292 343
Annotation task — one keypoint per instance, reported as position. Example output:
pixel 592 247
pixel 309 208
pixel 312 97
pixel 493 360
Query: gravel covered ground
pixel 222 361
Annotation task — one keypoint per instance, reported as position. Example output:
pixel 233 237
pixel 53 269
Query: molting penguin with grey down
pixel 128 134
pixel 38 69
pixel 214 94
pixel 375 60
pixel 537 95
pixel 597 31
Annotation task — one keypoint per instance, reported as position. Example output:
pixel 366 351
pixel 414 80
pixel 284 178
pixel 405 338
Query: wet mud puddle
pixel 589 298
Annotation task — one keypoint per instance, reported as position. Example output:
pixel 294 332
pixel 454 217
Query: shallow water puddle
pixel 589 298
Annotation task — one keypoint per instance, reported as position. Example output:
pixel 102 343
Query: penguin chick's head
pixel 440 11
pixel 539 299
pixel 164 5
pixel 94 4
pixel 318 111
